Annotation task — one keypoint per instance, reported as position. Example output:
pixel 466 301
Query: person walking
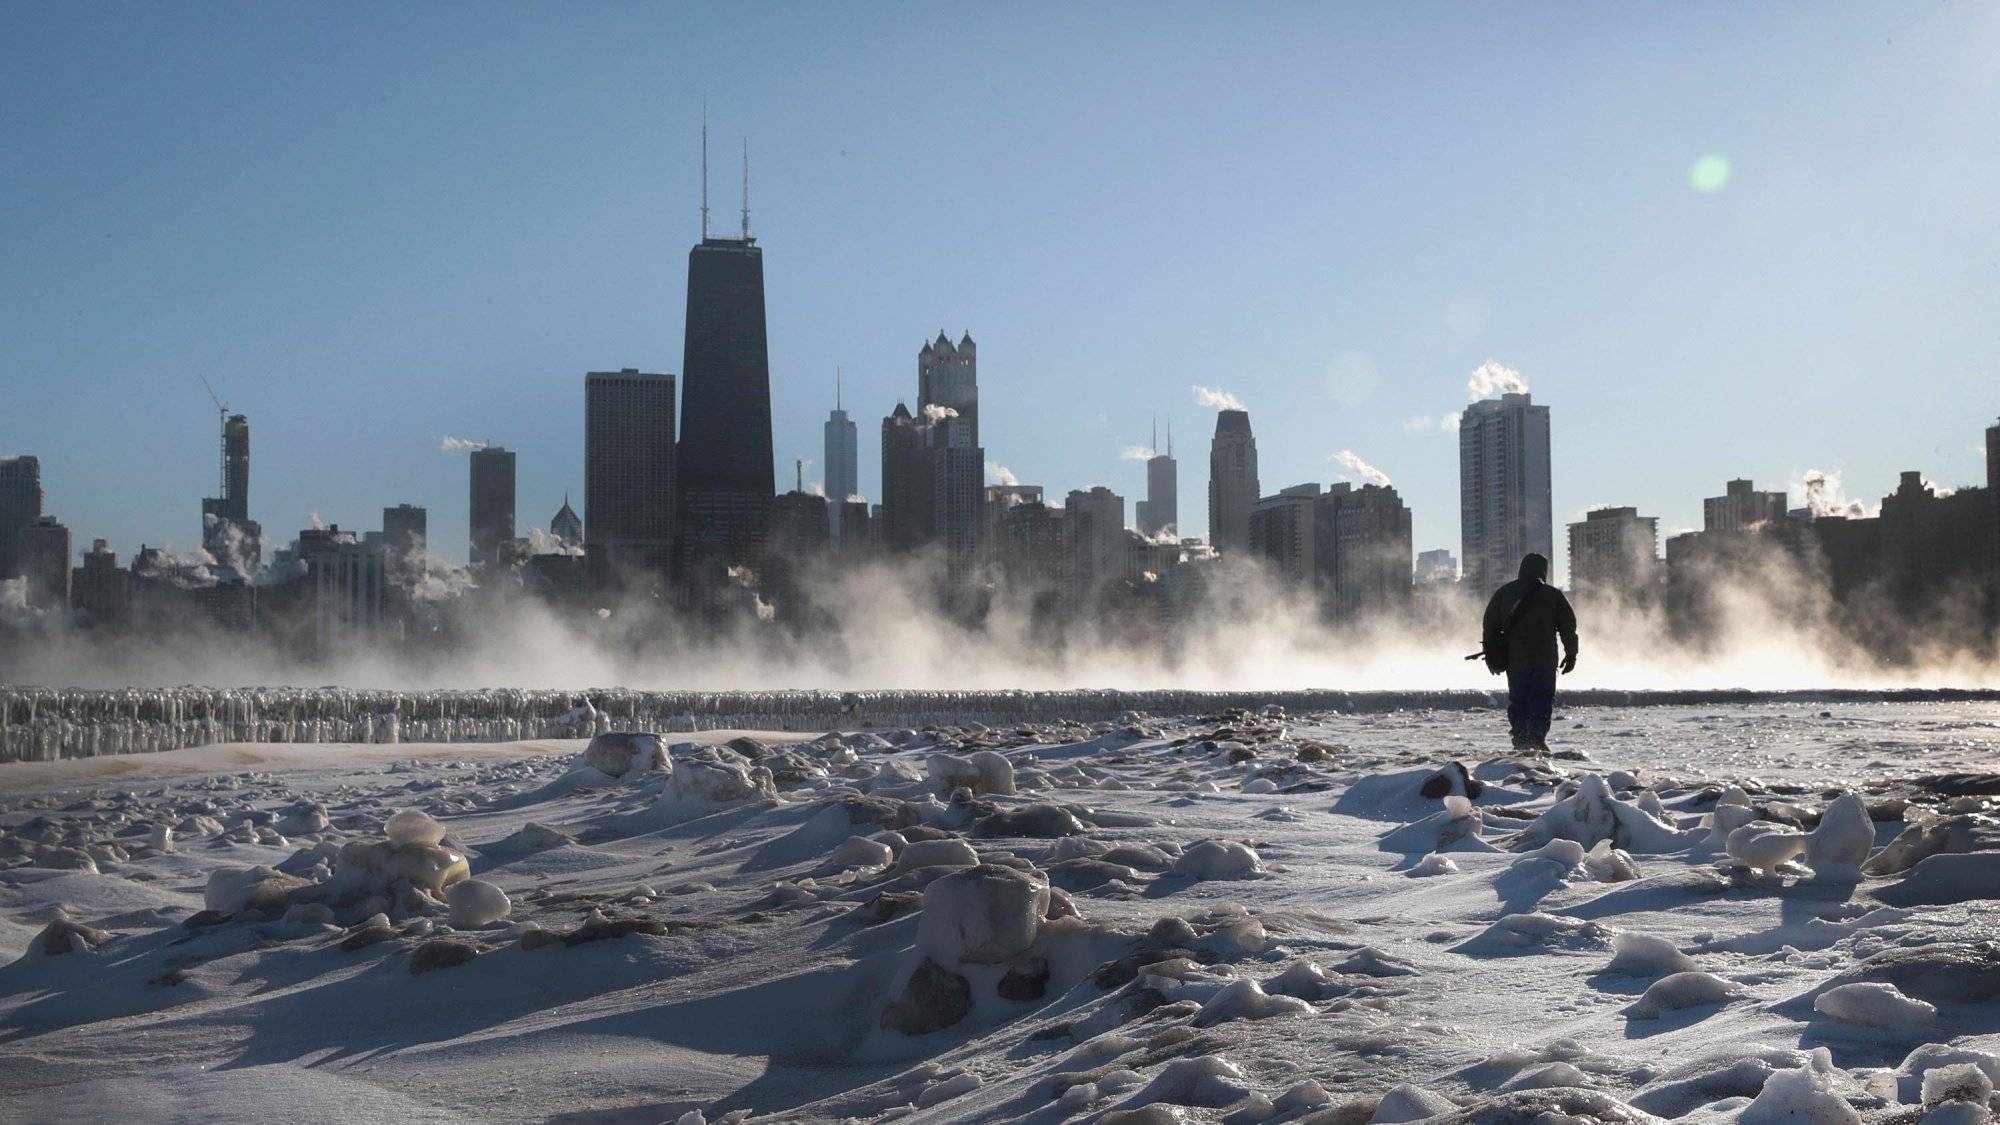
pixel 1523 622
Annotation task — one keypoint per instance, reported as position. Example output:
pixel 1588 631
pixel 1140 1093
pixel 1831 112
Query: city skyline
pixel 1322 362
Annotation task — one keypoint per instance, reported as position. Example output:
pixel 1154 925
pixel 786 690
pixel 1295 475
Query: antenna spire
pixel 836 388
pixel 746 189
pixel 1156 433
pixel 704 170
pixel 1170 435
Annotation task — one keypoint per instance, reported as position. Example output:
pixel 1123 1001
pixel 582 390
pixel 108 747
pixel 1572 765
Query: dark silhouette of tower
pixel 20 505
pixel 726 480
pixel 907 493
pixel 1160 511
pixel 629 469
pixel 492 509
pixel 227 531
pixel 1232 481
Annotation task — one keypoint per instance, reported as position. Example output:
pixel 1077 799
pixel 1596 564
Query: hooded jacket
pixel 1532 644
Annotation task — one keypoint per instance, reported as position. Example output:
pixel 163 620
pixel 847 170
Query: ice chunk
pixel 414 826
pixel 1218 859
pixel 981 772
pixel 375 865
pixel 1840 845
pixel 1947 878
pixel 719 781
pixel 621 752
pixel 476 902
pixel 1692 989
pixel 1410 1103
pixel 232 890
pixel 1805 1094
pixel 936 853
pixel 1762 847
pixel 1643 955
pixel 1873 1004
pixel 985 914
pixel 1592 814
pixel 1958 1082
pixel 1245 1000
pixel 1433 864
pixel 1726 819
pixel 1607 864
pixel 161 838
pixel 859 851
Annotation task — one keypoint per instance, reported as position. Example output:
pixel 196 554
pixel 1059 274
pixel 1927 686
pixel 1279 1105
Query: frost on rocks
pixel 1218 859
pixel 1804 1094
pixel 1692 989
pixel 1840 845
pixel 1592 814
pixel 1764 847
pixel 621 752
pixel 981 772
pixel 413 826
pixel 476 902
pixel 1873 1004
pixel 234 890
pixel 985 914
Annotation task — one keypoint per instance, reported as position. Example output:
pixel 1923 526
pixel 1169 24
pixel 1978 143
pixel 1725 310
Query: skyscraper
pixel 1741 507
pixel 1614 554
pixel 1363 549
pixel 227 531
pixel 44 557
pixel 906 483
pixel 1282 532
pixel 726 479
pixel 20 505
pixel 1232 481
pixel 629 470
pixel 1503 488
pixel 492 508
pixel 1159 512
pixel 948 376
pixel 405 530
pixel 842 469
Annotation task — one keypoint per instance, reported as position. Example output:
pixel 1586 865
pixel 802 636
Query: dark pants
pixel 1531 698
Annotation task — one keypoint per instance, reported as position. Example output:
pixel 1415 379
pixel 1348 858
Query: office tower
pixel 1001 497
pixel 566 527
pixel 1434 567
pixel 1159 512
pixel 842 468
pixel 346 579
pixel 43 551
pixel 1362 549
pixel 492 509
pixel 1028 546
pixel 20 505
pixel 101 588
pixel 1741 507
pixel 1503 488
pixel 726 480
pixel 906 483
pixel 227 531
pixel 1931 547
pixel 629 470
pixel 1614 555
pixel 1281 532
pixel 948 377
pixel 1094 540
pixel 405 532
pixel 800 527
pixel 1232 481
pixel 858 538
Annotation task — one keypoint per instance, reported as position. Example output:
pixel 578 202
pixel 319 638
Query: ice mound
pixel 536 837
pixel 1218 859
pixel 1874 1004
pixel 1958 1093
pixel 1840 845
pixel 476 902
pixel 1210 1081
pixel 234 890
pixel 985 915
pixel 716 779
pixel 1805 1094
pixel 1516 933
pixel 1764 847
pixel 621 752
pixel 860 851
pixel 936 853
pixel 1433 864
pixel 1038 821
pixel 412 853
pixel 1643 955
pixel 1592 814
pixel 1454 828
pixel 1690 989
pixel 1947 878
pixel 982 772
pixel 413 826
pixel 1245 999
pixel 1964 832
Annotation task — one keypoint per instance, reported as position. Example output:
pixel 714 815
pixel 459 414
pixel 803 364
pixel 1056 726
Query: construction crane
pixel 222 434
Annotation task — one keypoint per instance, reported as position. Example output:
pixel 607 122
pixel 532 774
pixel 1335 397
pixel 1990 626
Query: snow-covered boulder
pixel 982 772
pixel 233 890
pixel 1874 1004
pixel 1218 859
pixel 1692 989
pixel 1643 955
pixel 985 915
pixel 1840 845
pixel 374 865
pixel 414 826
pixel 1763 846
pixel 620 752
pixel 720 781
pixel 936 853
pixel 1591 814
pixel 476 902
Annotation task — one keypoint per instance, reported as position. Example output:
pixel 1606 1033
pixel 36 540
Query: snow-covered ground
pixel 1237 918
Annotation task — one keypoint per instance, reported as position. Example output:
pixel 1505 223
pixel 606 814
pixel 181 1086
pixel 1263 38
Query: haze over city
pixel 1740 245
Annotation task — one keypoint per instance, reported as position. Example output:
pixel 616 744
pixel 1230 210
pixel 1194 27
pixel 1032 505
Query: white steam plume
pixel 996 473
pixel 459 445
pixel 1216 399
pixel 1361 468
pixel 1136 453
pixel 1819 493
pixel 1493 377
pixel 935 413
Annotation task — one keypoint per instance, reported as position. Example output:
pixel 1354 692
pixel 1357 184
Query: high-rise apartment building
pixel 1504 504
pixel 1434 567
pixel 44 560
pixel 405 532
pixel 1362 549
pixel 629 470
pixel 227 531
pixel 100 587
pixel 1232 481
pixel 492 507
pixel 1282 532
pixel 1741 507
pixel 1093 525
pixel 1614 555
pixel 20 505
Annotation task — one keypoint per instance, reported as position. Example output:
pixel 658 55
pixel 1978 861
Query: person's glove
pixel 1569 663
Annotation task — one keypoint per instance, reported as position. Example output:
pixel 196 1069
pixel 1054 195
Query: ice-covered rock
pixel 1218 859
pixel 860 851
pixel 1591 814
pixel 1874 1004
pixel 1965 832
pixel 1410 1103
pixel 1433 864
pixel 476 902
pixel 985 915
pixel 720 781
pixel 1726 819
pixel 1926 1057
pixel 1804 1094
pixel 160 838
pixel 1607 864
pixel 1454 828
pixel 534 837
pixel 936 853
pixel 1643 955
pixel 1963 1089
pixel 931 998
pixel 1946 878
pixel 1846 834
pixel 618 753
pixel 414 826
pixel 1691 989
pixel 1038 821
pixel 233 890
pixel 64 934
pixel 374 865
pixel 1764 847
pixel 984 771
pixel 1245 999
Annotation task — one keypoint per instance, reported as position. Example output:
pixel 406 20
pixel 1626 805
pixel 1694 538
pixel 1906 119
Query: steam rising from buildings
pixel 1216 399
pixel 996 473
pixel 460 445
pixel 1492 378
pixel 1360 468
pixel 1819 493
pixel 1136 453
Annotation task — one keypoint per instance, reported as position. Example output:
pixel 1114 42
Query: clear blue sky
pixel 376 225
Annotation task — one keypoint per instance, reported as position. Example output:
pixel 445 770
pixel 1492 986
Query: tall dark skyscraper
pixel 726 480
pixel 20 505
pixel 629 469
pixel 1232 481
pixel 227 531
pixel 948 376
pixel 1160 511
pixel 492 508
pixel 906 482
pixel 405 530
pixel 842 467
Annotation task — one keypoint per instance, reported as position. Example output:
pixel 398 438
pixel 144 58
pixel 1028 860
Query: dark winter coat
pixel 1532 644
